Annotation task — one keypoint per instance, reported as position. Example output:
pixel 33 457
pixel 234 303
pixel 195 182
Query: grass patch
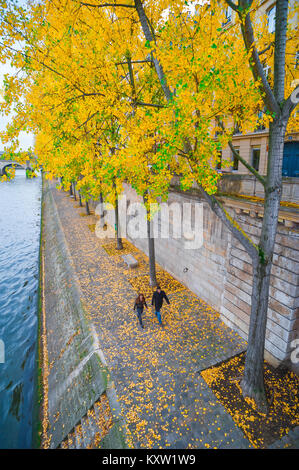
pixel 282 392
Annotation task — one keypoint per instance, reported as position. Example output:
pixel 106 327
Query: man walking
pixel 157 301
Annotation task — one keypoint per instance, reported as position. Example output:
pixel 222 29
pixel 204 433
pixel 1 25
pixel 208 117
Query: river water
pixel 20 216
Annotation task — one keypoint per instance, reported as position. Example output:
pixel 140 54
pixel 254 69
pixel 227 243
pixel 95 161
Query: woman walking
pixel 139 306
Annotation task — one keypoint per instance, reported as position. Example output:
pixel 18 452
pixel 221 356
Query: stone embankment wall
pixel 76 379
pixel 220 272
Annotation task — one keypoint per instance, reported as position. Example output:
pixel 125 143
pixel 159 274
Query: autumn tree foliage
pixel 140 91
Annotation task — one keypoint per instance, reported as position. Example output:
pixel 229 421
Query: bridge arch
pixel 8 164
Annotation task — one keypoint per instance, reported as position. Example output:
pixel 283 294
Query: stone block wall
pixel 77 374
pixel 201 270
pixel 220 273
pixel 282 324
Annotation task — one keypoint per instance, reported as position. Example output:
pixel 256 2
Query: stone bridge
pixel 9 163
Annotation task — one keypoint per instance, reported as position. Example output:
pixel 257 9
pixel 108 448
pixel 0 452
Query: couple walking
pixel 157 301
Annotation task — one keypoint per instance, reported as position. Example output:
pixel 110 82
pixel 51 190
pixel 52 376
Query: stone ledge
pixel 130 261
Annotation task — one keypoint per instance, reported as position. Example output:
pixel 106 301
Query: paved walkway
pixel 164 399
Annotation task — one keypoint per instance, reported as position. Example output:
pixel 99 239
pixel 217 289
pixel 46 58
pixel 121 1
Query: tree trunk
pixel 148 33
pixel 71 190
pixel 151 255
pixel 74 191
pixel 80 200
pixel 119 243
pixel 151 248
pixel 101 214
pixel 253 381
pixel 87 207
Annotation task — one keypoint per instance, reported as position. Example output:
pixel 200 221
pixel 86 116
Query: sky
pixel 26 139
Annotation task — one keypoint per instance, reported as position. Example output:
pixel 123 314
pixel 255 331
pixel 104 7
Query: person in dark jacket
pixel 157 301
pixel 139 306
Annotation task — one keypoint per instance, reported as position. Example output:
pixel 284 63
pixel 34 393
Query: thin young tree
pixel 151 244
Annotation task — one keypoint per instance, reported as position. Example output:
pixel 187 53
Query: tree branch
pixel 291 103
pixel 246 164
pixel 140 103
pixel 232 5
pixel 281 21
pixel 149 37
pixel 131 74
pixel 242 160
pixel 231 224
pixel 132 81
pixel 106 5
pixel 266 48
pixel 134 62
pixel 256 65
pixel 85 122
pixel 42 63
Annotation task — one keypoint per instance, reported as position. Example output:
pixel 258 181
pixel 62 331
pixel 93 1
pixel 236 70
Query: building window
pixel 235 159
pixel 260 126
pixel 255 158
pixel 228 16
pixel 236 129
pixel 219 160
pixel 271 19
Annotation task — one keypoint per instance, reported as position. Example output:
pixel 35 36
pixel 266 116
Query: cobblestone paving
pixel 163 398
pixel 290 441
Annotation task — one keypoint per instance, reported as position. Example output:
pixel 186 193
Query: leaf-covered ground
pixel 156 371
pixel 282 389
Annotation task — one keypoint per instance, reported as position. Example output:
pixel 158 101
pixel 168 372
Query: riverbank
pixel 38 388
pixel 76 382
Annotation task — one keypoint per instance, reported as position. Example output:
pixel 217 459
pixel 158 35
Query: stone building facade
pixel 253 147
